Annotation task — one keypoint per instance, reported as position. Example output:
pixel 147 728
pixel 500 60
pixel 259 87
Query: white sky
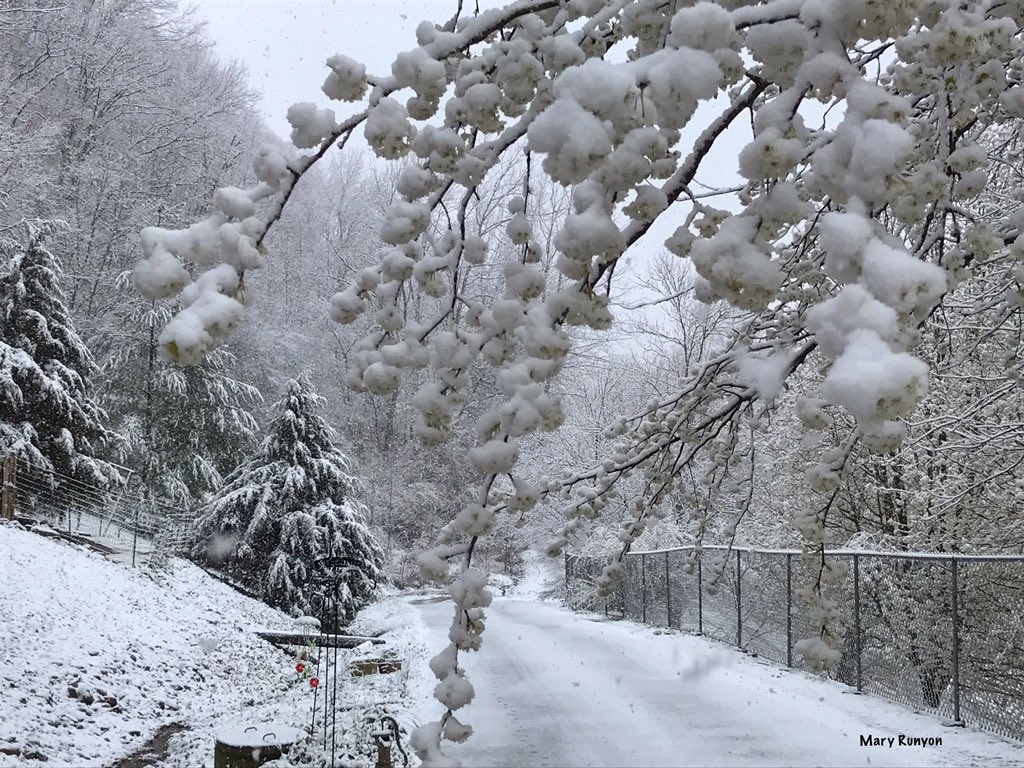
pixel 284 43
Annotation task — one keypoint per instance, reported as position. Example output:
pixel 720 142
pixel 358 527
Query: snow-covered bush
pixel 283 512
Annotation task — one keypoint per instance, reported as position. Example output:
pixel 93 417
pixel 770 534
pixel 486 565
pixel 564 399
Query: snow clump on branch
pixel 849 233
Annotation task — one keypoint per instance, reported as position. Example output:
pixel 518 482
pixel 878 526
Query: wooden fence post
pixel 8 500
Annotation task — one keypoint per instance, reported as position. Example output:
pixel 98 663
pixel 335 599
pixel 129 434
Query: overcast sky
pixel 284 43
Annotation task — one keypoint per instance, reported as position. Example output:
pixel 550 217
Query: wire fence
pixel 936 632
pixel 127 525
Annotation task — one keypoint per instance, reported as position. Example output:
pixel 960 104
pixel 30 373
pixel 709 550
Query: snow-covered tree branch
pixel 859 128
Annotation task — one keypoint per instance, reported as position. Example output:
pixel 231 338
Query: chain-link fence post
pixel 739 604
pixel 10 487
pixel 668 595
pixel 700 595
pixel 135 534
pixel 568 580
pixel 643 588
pixel 955 600
pixel 856 621
pixel 789 610
pixel 622 588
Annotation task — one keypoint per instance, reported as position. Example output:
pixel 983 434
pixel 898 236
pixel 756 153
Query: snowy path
pixel 559 689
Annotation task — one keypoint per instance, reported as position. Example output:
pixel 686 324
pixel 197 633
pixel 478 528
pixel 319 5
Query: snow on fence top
pixel 110 516
pixel 946 556
pixel 940 632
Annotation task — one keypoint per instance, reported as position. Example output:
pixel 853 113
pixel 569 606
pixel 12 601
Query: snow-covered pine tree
pixel 285 510
pixel 47 412
pixel 184 428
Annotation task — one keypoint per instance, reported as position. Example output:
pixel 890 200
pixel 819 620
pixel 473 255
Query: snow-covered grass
pixel 98 656
pixel 407 636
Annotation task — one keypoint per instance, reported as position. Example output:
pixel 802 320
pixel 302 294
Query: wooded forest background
pixel 119 115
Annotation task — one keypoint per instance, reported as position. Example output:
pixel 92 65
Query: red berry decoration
pixel 314 682
pixel 300 667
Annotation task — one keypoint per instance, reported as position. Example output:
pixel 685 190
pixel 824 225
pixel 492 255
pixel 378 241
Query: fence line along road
pixel 113 517
pixel 937 632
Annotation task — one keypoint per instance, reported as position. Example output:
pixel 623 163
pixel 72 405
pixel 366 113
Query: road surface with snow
pixel 561 689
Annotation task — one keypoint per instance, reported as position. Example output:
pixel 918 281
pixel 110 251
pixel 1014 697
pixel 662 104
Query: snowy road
pixel 560 689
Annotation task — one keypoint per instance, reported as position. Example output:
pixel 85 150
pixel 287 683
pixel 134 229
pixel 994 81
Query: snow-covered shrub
pixel 282 512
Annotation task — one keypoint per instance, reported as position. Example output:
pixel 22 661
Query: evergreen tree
pixel 285 510
pixel 185 428
pixel 47 413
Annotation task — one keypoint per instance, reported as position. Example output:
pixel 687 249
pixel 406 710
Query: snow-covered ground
pixel 541 579
pixel 97 656
pixel 561 689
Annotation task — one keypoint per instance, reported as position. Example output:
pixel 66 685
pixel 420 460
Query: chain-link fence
pixel 110 519
pixel 939 633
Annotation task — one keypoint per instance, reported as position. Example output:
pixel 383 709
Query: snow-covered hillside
pixel 97 656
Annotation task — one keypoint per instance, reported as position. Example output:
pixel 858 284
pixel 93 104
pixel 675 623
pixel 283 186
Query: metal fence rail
pixel 937 632
pixel 112 518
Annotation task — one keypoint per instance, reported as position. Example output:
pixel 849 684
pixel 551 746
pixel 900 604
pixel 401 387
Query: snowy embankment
pixel 97 657
pixel 556 688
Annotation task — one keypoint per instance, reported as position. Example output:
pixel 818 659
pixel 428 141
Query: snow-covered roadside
pixel 406 635
pixel 97 657
pixel 557 688
pixel 399 694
